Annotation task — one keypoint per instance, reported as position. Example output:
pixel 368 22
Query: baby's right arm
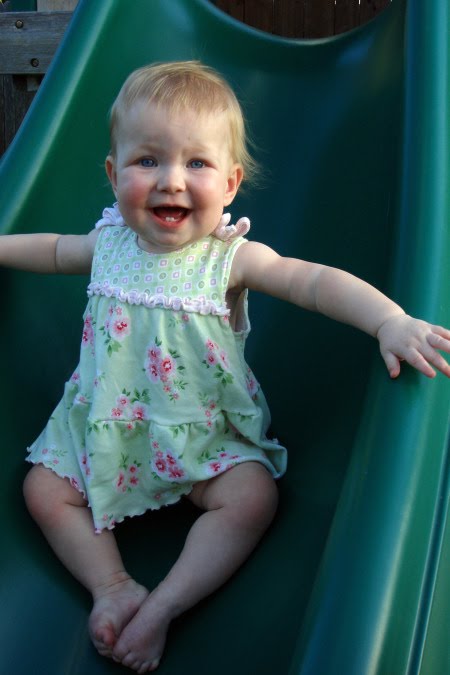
pixel 48 253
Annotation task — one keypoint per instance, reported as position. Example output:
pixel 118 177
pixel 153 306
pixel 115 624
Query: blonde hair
pixel 180 86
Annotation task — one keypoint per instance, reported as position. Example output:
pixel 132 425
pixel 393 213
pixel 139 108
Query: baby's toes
pixel 148 667
pixel 153 665
pixel 131 661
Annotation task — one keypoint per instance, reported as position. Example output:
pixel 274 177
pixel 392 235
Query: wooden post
pixel 289 18
pixel 56 5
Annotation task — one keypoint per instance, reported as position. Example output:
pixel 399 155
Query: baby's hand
pixel 225 231
pixel 403 338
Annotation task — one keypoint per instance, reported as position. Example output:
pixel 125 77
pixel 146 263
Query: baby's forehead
pixel 156 125
pixel 146 114
pixel 176 109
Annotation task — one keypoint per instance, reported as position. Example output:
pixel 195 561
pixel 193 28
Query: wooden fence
pixel 26 54
pixel 303 18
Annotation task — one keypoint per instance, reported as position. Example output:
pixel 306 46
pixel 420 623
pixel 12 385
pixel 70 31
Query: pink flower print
pixel 154 353
pixel 117 412
pixel 138 412
pixel 120 482
pixel 75 377
pixel 88 332
pixel 252 384
pixel 223 358
pixel 185 317
pixel 153 372
pixel 85 465
pixel 75 484
pixel 123 400
pixel 167 365
pixel 218 359
pixel 128 474
pixel 211 359
pixel 175 472
pixel 164 369
pixel 133 479
pixel 215 466
pixel 120 328
pixel 98 378
pixel 167 466
pixel 160 465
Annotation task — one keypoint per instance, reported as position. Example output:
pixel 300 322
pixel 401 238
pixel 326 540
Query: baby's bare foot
pixel 141 643
pixel 115 605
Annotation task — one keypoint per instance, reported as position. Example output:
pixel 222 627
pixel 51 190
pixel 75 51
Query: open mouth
pixel 170 216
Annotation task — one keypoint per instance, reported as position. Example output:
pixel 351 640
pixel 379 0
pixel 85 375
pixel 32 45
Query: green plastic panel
pixel 353 135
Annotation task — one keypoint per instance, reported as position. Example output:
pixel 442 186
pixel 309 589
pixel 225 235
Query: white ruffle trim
pixel 134 297
pixel 110 216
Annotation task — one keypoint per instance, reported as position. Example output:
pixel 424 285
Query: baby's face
pixel 172 175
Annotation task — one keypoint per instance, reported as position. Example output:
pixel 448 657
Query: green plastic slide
pixel 353 134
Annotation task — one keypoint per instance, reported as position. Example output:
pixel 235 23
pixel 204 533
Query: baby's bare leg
pixel 93 559
pixel 240 504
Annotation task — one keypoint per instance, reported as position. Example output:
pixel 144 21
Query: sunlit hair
pixel 180 86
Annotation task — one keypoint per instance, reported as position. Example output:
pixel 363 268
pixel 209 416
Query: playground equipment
pixel 353 132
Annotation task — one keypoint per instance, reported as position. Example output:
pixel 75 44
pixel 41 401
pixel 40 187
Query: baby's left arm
pixel 346 298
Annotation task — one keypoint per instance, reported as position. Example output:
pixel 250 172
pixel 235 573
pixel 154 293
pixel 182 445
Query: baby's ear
pixel 110 168
pixel 234 180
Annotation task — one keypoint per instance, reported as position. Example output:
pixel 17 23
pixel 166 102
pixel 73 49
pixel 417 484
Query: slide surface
pixel 353 135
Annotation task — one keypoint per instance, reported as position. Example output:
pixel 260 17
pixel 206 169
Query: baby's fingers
pixel 392 363
pixel 438 361
pixel 439 338
pixel 425 357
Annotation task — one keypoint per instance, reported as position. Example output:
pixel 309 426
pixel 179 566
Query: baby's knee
pixel 45 492
pixel 34 492
pixel 260 499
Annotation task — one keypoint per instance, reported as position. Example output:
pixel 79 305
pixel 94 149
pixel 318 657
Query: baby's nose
pixel 171 179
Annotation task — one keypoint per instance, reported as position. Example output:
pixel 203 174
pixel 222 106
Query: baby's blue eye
pixel 147 162
pixel 196 164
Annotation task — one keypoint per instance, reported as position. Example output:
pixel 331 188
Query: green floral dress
pixel 162 397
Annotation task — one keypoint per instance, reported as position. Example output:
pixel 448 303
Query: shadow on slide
pixel 353 133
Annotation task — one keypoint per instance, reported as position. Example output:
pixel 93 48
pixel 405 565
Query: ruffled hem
pixel 181 492
pixel 176 303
